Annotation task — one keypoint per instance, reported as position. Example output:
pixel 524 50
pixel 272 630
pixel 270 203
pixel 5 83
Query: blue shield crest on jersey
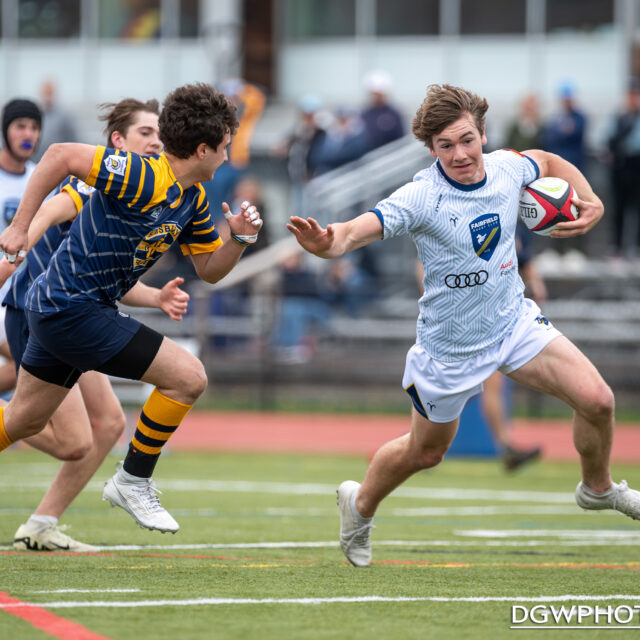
pixel 10 208
pixel 485 234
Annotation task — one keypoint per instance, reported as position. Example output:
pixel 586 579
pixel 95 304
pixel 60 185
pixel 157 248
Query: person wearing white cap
pixel 383 122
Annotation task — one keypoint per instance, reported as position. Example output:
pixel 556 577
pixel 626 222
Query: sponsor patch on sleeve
pixel 84 188
pixel 116 164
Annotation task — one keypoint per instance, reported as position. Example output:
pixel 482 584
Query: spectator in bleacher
pixel 524 131
pixel 300 308
pixel 353 281
pixel 623 145
pixel 302 149
pixel 564 132
pixel 57 122
pixel 143 19
pixel 346 287
pixel 382 121
pixel 565 135
pixel 249 101
pixel 344 142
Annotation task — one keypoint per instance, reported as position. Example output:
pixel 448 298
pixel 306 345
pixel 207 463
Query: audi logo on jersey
pixel 464 280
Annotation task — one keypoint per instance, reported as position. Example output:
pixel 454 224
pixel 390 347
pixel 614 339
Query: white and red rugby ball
pixel 546 202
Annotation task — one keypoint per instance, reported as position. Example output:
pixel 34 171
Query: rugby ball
pixel 546 202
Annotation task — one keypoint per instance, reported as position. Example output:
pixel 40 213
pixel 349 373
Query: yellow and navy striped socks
pixel 159 418
pixel 5 440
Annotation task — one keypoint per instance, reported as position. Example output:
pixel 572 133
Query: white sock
pixel 354 509
pixel 590 492
pixel 40 523
pixel 126 477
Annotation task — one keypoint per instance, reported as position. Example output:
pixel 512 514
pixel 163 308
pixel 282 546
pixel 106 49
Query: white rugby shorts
pixel 439 390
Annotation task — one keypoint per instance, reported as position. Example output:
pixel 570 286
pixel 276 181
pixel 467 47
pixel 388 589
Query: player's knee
pixel 430 458
pixel 110 425
pixel 74 450
pixel 195 382
pixel 186 381
pixel 75 453
pixel 602 403
pixel 116 428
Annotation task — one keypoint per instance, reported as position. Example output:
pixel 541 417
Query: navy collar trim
pixel 459 185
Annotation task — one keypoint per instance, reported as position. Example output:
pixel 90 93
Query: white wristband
pixel 245 239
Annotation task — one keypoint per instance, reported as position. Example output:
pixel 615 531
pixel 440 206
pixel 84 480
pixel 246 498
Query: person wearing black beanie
pixel 26 132
pixel 21 123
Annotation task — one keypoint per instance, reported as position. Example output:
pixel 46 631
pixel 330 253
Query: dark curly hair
pixel 193 114
pixel 443 105
pixel 119 115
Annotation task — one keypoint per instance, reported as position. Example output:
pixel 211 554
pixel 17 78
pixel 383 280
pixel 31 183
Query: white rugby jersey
pixel 12 187
pixel 465 237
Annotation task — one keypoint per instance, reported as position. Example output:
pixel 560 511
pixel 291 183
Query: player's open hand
pixel 244 225
pixel 13 243
pixel 173 300
pixel 311 236
pixel 590 213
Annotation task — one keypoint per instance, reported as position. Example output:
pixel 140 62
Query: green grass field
pixel 257 554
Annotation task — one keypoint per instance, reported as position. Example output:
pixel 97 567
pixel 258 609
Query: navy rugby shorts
pixel 17 330
pixel 88 336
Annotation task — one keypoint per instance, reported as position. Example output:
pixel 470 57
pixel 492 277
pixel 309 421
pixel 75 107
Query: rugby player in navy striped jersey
pixel 140 207
pixel 90 420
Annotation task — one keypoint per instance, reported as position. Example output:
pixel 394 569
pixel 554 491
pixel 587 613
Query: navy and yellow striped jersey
pixel 137 211
pixel 38 258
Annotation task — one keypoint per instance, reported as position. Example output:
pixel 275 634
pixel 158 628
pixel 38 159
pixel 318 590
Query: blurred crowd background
pixel 326 90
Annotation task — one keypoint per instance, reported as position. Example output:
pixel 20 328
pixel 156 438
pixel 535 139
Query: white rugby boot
pixel 619 497
pixel 48 538
pixel 354 529
pixel 140 500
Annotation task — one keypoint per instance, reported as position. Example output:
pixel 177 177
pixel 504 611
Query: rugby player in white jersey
pixel 21 127
pixel 461 213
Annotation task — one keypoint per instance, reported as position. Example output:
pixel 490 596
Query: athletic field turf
pixel 257 555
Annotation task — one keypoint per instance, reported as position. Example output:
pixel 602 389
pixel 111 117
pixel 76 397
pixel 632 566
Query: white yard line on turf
pixel 488 510
pixel 590 538
pixel 286 488
pixel 580 534
pixel 348 600
pixel 87 591
pixel 419 512
pixel 431 512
